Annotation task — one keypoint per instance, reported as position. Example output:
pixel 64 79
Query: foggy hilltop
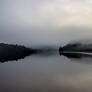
pixel 79 46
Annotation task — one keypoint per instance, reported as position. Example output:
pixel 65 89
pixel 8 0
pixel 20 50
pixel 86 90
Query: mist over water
pixel 46 25
pixel 42 73
pixel 46 71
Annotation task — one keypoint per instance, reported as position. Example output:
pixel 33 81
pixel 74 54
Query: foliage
pixel 13 52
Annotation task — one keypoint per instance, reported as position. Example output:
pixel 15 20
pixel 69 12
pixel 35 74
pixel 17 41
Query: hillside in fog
pixel 13 52
pixel 78 46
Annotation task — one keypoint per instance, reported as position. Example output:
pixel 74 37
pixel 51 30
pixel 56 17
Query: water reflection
pixel 40 73
pixel 42 52
pixel 79 57
pixel 76 55
pixel 10 58
pixel 52 52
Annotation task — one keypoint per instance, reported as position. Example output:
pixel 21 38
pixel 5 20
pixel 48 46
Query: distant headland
pixel 76 50
pixel 10 52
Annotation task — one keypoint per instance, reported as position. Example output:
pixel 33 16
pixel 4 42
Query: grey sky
pixel 45 21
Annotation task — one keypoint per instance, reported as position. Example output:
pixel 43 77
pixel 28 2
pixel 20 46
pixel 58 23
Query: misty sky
pixel 33 22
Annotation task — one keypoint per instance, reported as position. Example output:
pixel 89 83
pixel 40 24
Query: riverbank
pixel 10 52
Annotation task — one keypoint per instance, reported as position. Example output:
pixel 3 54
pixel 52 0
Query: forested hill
pixel 80 47
pixel 13 52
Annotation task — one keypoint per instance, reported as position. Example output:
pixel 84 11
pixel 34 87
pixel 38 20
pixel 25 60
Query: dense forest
pixel 13 52
pixel 77 47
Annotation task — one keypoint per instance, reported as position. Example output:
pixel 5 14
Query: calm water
pixel 46 73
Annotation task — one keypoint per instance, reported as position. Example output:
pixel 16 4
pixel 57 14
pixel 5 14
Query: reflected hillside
pixel 77 55
pixel 10 52
pixel 79 51
pixel 79 58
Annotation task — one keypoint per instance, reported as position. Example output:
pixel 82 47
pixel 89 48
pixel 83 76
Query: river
pixel 47 73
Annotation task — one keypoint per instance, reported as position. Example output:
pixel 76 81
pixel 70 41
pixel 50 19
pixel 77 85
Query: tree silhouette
pixel 14 52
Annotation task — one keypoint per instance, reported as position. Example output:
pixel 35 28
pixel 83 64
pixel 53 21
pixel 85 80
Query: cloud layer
pixel 30 16
pixel 47 12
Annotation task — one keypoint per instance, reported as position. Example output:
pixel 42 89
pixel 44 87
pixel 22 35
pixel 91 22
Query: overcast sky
pixel 45 21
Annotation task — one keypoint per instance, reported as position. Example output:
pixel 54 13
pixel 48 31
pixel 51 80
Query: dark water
pixel 47 72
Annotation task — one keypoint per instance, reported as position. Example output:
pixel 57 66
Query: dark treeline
pixel 10 52
pixel 77 47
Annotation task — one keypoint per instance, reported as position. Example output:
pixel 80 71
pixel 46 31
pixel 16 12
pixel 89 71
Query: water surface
pixel 47 73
